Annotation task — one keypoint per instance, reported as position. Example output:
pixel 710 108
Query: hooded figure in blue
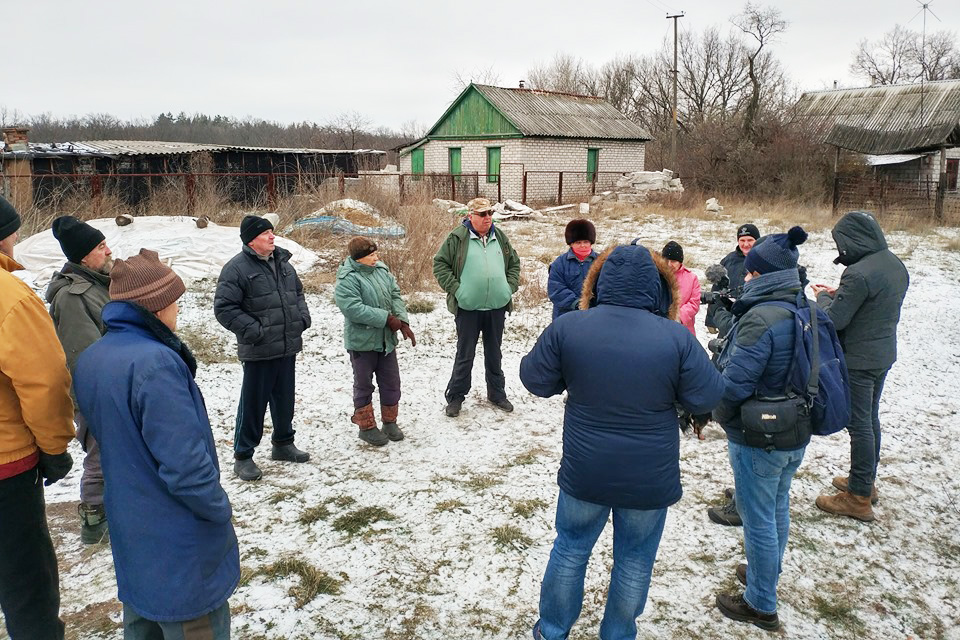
pixel 174 548
pixel 624 364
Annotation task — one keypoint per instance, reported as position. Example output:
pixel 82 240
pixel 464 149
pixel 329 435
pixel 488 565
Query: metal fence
pixel 890 197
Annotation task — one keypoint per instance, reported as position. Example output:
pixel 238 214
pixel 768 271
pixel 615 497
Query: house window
pixel 416 162
pixel 953 167
pixel 493 164
pixel 453 153
pixel 593 156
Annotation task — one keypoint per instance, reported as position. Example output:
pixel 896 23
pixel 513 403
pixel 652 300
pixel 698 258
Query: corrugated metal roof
pixel 562 115
pixel 886 119
pixel 153 147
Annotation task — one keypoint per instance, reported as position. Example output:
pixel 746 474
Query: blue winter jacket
pixel 566 281
pixel 760 346
pixel 174 548
pixel 624 366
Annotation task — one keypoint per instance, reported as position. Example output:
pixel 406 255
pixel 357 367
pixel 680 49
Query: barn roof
pixel 886 119
pixel 114 148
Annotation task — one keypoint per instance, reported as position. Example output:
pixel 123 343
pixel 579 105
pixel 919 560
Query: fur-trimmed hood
pixel 629 281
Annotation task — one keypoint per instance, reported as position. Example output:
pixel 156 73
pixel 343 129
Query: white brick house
pixel 502 134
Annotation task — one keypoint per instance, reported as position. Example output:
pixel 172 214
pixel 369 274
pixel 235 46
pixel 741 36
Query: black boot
pixel 246 469
pixel 736 608
pixel 93 524
pixel 288 453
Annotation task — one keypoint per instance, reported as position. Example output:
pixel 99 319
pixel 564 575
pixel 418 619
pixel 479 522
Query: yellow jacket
pixel 35 406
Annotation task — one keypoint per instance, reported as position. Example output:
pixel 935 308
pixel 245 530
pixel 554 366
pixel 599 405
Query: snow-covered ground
pixel 447 533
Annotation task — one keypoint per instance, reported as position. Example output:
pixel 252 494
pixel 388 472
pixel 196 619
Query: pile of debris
pixel 636 187
pixel 351 217
pixel 503 210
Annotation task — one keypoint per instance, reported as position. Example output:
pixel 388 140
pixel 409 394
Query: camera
pixel 709 297
pixel 717 345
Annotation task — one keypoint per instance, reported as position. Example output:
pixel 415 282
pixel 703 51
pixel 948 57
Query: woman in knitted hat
pixel 688 282
pixel 174 548
pixel 567 272
pixel 373 312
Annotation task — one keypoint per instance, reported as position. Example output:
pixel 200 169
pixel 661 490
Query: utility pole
pixel 676 72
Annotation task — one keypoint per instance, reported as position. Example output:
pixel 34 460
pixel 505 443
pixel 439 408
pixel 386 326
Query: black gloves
pixel 393 322
pixel 54 467
pixel 407 334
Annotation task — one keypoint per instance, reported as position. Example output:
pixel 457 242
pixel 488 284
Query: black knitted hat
pixel 672 251
pixel 252 226
pixel 748 229
pixel 76 237
pixel 580 230
pixel 9 218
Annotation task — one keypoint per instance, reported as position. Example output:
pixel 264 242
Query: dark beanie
pixel 252 226
pixel 145 280
pixel 748 229
pixel 361 247
pixel 9 218
pixel 672 251
pixel 777 252
pixel 77 238
pixel 580 230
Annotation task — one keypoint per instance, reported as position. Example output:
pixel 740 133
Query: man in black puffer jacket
pixel 865 309
pixel 260 299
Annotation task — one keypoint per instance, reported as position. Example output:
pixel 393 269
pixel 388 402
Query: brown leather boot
pixel 388 414
pixel 847 504
pixel 843 484
pixel 364 418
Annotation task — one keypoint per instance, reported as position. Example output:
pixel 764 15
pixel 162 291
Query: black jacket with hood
pixel 866 306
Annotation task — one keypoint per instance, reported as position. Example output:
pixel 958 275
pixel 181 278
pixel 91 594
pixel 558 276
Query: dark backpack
pixel 818 371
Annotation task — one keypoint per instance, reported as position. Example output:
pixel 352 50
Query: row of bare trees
pixel 902 55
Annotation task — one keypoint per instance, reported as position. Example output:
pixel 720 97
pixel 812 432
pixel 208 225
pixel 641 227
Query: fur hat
pixel 252 226
pixel 672 251
pixel 777 252
pixel 76 237
pixel 9 218
pixel 145 280
pixel 580 230
pixel 360 247
pixel 748 229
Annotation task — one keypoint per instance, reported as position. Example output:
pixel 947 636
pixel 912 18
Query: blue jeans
pixel 864 428
pixel 212 626
pixel 763 499
pixel 636 536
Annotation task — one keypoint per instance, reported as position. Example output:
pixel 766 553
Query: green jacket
pixel 366 295
pixel 448 263
pixel 76 296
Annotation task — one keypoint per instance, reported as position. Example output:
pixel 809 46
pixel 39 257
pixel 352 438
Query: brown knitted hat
pixel 145 280
pixel 360 247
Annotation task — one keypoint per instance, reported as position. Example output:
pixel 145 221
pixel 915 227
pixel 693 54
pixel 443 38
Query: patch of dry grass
pixel 313 581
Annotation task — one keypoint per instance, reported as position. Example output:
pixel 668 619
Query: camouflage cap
pixel 478 205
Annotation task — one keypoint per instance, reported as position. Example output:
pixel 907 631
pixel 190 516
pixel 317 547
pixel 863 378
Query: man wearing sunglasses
pixel 480 271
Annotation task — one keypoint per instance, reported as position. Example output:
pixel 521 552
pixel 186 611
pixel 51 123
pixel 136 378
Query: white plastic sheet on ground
pixel 193 253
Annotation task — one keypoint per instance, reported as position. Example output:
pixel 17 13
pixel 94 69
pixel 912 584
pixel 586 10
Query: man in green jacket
pixel 373 312
pixel 480 271
pixel 76 295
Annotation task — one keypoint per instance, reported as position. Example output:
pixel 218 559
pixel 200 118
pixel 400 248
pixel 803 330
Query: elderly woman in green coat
pixel 373 312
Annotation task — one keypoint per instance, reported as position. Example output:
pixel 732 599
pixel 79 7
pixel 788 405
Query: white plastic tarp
pixel 193 253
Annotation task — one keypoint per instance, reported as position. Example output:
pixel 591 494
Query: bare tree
pixel 565 73
pixel 939 57
pixel 888 60
pixel 477 75
pixel 763 25
pixel 11 117
pixel 348 126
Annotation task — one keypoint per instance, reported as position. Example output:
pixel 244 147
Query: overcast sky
pixel 392 62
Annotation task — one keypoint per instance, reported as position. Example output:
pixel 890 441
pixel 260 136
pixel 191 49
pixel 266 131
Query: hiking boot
pixel 843 484
pixel 288 453
pixel 247 470
pixel 453 408
pixel 736 608
pixel 93 524
pixel 502 403
pixel 373 436
pixel 847 504
pixel 742 573
pixel 726 515
pixel 392 431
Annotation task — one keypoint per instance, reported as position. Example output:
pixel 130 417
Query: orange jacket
pixel 35 406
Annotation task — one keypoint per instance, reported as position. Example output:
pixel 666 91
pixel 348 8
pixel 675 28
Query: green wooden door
pixel 416 161
pixel 592 158
pixel 454 156
pixel 493 164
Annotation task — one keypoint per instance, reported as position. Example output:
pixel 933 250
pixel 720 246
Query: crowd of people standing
pixel 621 346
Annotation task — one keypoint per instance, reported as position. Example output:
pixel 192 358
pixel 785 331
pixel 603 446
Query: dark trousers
pixel 470 324
pixel 91 482
pixel 864 428
pixel 29 580
pixel 365 365
pixel 213 626
pixel 265 382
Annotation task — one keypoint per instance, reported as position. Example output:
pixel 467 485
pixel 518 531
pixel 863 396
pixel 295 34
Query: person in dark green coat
pixel 373 312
